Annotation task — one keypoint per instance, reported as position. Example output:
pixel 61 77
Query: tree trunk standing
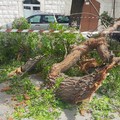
pixel 76 10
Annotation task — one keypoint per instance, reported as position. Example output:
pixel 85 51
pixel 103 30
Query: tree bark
pixel 26 67
pixel 77 89
pixel 75 55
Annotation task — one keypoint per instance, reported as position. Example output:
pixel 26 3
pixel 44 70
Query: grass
pixel 41 105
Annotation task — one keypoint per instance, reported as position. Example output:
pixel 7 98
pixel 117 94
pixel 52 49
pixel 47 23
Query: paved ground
pixel 6 109
pixel 6 104
pixel 73 115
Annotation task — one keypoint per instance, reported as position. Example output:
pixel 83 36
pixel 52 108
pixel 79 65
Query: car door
pixel 46 20
pixel 35 22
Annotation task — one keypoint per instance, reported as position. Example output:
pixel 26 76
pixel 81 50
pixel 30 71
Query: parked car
pixel 42 21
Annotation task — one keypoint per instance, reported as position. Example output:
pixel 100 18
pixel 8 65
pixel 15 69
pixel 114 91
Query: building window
pixel 31 2
pixel 27 7
pixel 36 8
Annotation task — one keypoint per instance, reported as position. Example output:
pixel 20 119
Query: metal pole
pixel 114 9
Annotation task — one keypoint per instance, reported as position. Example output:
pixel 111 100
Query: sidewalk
pixel 6 104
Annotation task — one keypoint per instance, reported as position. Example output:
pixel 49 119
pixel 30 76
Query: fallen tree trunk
pixel 99 44
pixel 77 89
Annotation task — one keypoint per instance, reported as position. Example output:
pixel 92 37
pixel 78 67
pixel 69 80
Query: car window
pixel 48 19
pixel 62 19
pixel 35 19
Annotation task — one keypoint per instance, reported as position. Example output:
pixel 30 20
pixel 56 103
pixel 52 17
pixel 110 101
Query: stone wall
pixel 58 6
pixel 9 10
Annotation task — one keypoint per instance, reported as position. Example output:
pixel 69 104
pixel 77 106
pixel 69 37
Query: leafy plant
pixel 5 69
pixel 18 46
pixel 20 23
pixel 100 108
pixel 106 20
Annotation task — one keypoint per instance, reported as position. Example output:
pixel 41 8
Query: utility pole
pixel 114 2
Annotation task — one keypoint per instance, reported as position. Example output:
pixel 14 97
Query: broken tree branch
pixel 100 44
pixel 111 29
pixel 77 89
pixel 26 67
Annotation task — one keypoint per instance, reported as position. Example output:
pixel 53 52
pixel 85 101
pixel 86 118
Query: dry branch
pixel 26 67
pixel 111 29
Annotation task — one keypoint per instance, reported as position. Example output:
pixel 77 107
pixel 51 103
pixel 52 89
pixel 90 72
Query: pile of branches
pixel 77 89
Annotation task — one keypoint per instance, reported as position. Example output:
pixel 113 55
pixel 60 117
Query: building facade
pixel 93 8
pixel 11 9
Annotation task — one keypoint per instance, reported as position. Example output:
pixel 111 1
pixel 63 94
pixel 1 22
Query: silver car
pixel 42 21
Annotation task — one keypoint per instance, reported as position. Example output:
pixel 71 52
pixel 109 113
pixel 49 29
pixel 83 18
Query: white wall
pixel 117 10
pixel 107 5
pixel 9 10
pixel 58 6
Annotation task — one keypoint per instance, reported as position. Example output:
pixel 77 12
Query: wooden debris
pixel 86 65
pixel 77 89
pixel 26 97
pixel 10 118
pixel 26 67
pixel 18 71
pixel 6 89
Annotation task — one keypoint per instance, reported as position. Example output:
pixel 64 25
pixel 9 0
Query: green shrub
pixel 106 20
pixel 22 46
pixel 56 46
pixel 20 23
pixel 18 46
